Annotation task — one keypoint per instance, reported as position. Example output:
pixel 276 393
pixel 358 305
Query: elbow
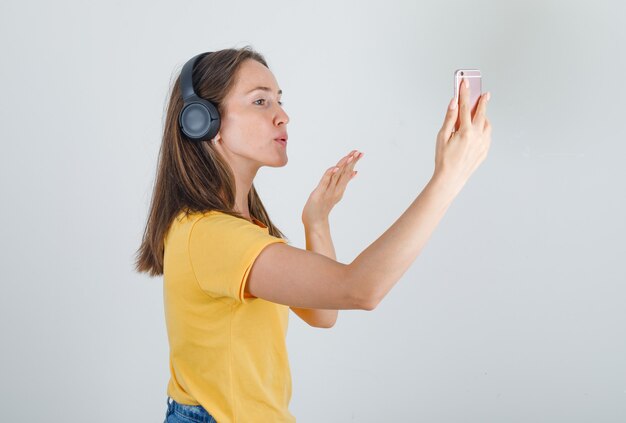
pixel 325 325
pixel 370 303
pixel 328 326
pixel 360 299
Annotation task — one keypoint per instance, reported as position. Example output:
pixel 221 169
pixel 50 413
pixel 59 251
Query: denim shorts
pixel 183 413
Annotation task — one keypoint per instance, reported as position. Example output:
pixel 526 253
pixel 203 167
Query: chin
pixel 280 162
pixel 283 162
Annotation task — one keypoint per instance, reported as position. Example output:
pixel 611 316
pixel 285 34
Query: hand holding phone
pixel 475 85
pixel 459 152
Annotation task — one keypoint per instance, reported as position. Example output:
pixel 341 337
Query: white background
pixel 515 310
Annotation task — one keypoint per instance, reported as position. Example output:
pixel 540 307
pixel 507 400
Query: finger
pixel 336 176
pixel 487 133
pixel 464 106
pixel 328 175
pixel 331 171
pixel 450 119
pixel 487 127
pixel 481 110
pixel 345 174
pixel 345 158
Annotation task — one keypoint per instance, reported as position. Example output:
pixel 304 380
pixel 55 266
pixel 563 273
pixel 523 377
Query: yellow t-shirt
pixel 227 353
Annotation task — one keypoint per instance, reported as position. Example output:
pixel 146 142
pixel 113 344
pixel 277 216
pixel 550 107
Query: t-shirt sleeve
pixel 222 250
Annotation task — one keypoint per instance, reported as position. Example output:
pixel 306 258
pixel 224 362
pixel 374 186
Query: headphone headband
pixel 186 77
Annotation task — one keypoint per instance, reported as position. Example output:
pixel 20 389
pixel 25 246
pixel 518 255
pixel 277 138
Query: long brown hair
pixel 193 177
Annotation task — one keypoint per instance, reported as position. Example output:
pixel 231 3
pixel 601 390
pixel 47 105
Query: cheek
pixel 246 130
pixel 244 136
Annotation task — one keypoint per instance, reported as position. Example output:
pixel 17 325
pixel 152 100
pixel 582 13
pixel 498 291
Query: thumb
pixel 327 175
pixel 451 116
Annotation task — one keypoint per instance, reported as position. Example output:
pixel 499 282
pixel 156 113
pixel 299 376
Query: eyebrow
pixel 264 89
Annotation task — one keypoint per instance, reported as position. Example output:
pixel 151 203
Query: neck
pixel 244 172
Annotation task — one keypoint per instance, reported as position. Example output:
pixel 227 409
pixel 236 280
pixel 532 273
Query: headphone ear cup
pixel 199 120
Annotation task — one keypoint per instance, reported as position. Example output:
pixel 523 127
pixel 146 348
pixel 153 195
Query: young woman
pixel 230 277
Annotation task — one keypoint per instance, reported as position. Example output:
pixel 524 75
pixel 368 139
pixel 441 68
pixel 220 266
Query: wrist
pixel 445 185
pixel 318 226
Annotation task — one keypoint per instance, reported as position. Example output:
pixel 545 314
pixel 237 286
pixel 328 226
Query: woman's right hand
pixel 458 154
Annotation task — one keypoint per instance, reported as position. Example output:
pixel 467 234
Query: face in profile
pixel 253 118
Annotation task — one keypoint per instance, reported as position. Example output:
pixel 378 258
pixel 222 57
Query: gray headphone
pixel 199 119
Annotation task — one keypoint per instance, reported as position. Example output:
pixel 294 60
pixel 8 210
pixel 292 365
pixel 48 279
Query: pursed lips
pixel 282 139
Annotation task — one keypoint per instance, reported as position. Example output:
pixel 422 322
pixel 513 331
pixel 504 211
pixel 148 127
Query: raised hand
pixel 330 189
pixel 459 153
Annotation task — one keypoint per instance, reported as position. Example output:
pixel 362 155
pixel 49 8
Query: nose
pixel 281 117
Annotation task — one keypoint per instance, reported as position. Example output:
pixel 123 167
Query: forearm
pixel 319 240
pixel 377 269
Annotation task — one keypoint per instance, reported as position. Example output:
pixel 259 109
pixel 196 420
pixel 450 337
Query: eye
pixel 262 99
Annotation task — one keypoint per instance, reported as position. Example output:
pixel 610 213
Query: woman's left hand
pixel 330 190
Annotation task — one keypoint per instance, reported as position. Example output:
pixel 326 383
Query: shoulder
pixel 211 217
pixel 219 224
pixel 219 219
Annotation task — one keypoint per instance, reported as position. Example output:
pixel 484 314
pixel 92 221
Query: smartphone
pixel 476 89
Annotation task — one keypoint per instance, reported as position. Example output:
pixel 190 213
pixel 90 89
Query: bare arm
pixel 377 269
pixel 288 275
pixel 305 279
pixel 318 239
pixel 458 155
